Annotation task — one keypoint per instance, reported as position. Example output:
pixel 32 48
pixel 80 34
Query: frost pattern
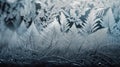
pixel 49 26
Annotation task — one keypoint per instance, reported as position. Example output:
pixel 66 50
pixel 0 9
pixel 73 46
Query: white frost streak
pixel 11 1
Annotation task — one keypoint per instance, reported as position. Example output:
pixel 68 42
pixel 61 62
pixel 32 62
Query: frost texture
pixel 39 28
